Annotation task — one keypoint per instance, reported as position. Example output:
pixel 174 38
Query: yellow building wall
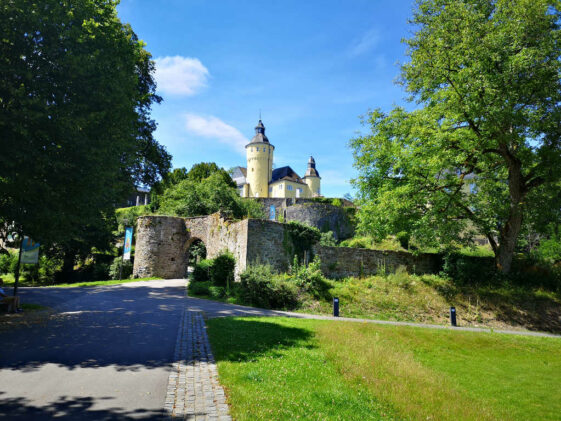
pixel 313 185
pixel 259 168
pixel 280 189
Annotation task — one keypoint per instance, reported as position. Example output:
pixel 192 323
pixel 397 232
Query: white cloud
pixel 213 128
pixel 366 43
pixel 180 75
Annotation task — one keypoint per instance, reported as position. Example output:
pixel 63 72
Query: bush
pixel 199 288
pixel 8 263
pixel 310 279
pixel 217 292
pixel 262 288
pixel 201 271
pixel 356 242
pixel 222 269
pixel 327 239
pixel 114 268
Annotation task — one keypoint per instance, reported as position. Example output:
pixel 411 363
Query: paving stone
pixel 194 392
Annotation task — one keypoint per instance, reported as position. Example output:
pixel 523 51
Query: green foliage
pixel 8 262
pixel 261 288
pixel 327 239
pixel 127 217
pixel 309 278
pixel 301 238
pixel 222 269
pixel 199 288
pixel 203 170
pixel 201 271
pixel 217 292
pixel 197 250
pixel 549 250
pixel 481 150
pixel 76 90
pixel 114 269
pixel 196 198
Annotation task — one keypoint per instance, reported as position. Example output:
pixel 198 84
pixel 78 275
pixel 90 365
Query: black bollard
pixel 336 307
pixel 453 316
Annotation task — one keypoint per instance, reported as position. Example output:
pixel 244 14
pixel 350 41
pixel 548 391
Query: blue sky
pixel 313 68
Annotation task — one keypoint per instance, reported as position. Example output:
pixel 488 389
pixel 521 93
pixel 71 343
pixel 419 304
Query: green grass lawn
pixel 285 369
pixel 9 282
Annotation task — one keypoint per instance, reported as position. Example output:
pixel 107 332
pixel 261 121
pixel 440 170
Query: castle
pixel 259 179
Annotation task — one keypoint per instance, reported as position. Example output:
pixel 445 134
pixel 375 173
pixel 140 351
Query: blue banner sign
pixel 272 213
pixel 128 244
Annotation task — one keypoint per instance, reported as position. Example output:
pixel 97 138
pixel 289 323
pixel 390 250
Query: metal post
pixel 336 307
pixel 453 316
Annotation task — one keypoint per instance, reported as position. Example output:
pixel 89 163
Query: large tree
pixel 479 150
pixel 76 87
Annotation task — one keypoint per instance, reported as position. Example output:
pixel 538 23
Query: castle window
pixel 252 170
pixel 251 149
pixel 280 186
pixel 257 149
pixel 289 187
pixel 270 189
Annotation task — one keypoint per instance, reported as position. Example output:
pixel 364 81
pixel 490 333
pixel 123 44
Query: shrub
pixel 114 268
pixel 197 250
pixel 356 242
pixel 199 288
pixel 222 269
pixel 217 292
pixel 201 271
pixel 327 239
pixel 466 269
pixel 310 279
pixel 8 263
pixel 262 288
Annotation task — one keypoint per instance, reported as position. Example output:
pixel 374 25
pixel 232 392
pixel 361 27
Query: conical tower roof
pixel 259 134
pixel 311 171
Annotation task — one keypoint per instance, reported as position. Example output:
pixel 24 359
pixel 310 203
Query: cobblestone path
pixel 194 392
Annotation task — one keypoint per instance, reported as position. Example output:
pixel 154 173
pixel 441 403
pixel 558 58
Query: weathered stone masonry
pixel 162 245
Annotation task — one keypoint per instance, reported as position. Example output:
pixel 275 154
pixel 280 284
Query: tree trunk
pixel 508 234
pixel 507 241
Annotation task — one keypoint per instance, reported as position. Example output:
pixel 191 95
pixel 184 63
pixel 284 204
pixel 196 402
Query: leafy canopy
pixel 76 89
pixel 480 151
pixel 213 194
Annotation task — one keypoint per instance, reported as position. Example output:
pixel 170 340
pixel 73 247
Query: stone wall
pixel 323 216
pixel 162 248
pixel 162 243
pixel 339 262
pixel 268 242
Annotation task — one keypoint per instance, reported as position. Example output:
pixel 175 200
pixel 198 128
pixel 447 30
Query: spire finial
pixel 259 113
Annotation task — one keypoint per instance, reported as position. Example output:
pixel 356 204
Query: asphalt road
pixel 105 355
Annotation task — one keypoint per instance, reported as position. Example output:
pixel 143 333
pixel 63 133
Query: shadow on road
pixel 127 328
pixel 68 408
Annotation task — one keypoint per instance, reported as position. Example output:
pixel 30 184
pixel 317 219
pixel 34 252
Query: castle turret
pixel 259 154
pixel 312 178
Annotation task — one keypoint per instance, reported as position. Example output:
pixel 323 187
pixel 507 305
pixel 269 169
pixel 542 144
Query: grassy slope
pixel 288 369
pixel 428 299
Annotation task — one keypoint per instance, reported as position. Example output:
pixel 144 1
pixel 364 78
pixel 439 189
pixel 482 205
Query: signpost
pixel 28 253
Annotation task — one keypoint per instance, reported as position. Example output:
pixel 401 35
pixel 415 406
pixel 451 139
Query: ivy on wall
pixel 299 238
